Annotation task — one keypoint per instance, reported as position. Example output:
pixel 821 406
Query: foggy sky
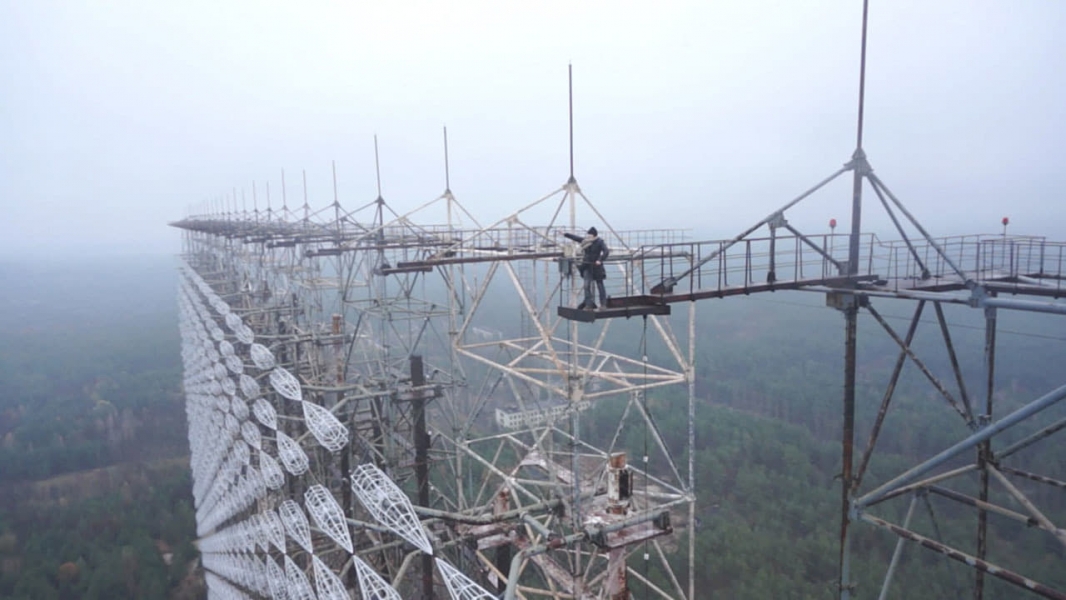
pixel 116 117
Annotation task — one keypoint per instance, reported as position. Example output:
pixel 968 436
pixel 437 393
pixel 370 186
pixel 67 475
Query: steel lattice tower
pixel 396 403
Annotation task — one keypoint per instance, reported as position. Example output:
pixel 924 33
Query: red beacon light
pixel 833 223
pixel 1006 221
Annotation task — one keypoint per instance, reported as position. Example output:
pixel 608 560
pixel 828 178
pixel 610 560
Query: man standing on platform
pixel 593 252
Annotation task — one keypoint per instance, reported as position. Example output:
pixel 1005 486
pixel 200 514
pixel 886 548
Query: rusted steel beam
pixel 1034 477
pixel 886 399
pixel 981 565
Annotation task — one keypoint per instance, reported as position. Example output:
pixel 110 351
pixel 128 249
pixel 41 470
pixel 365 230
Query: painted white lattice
pixel 232 426
pixel 239 409
pixel 273 528
pixel 255 482
pixel 327 584
pixel 265 413
pixel 216 332
pixel 276 580
pixel 261 584
pixel 372 585
pixel 295 521
pixel 233 322
pixel 285 384
pixel 273 476
pixel 262 356
pixel 325 427
pixel 225 348
pixel 220 305
pixel 389 505
pixel 245 334
pixel 250 387
pixel 234 364
pixel 241 452
pixel 291 454
pixel 255 531
pixel 298 586
pixel 250 434
pixel 460 586
pixel 328 516
pixel 228 386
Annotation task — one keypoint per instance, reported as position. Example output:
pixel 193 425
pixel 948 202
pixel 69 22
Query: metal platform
pixel 612 312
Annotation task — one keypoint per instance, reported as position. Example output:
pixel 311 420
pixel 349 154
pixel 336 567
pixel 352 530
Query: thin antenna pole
pixel 336 200
pixel 284 198
pixel 859 165
pixel 862 74
pixel 307 207
pixel 333 165
pixel 377 165
pixel 447 177
pixel 570 74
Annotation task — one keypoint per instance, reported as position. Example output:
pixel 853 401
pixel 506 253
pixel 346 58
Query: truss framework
pixel 368 369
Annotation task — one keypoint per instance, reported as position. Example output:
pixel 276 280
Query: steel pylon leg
pixel 984 451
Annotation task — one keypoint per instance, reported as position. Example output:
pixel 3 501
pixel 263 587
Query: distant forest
pixel 95 497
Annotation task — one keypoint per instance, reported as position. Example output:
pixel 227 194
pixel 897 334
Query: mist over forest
pixel 95 495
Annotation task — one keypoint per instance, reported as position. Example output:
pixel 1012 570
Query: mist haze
pixel 120 117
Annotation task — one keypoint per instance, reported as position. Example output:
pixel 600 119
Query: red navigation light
pixel 833 223
pixel 1006 221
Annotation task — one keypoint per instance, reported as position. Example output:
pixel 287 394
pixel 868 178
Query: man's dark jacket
pixel 595 251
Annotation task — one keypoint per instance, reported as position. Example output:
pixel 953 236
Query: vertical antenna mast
pixel 862 74
pixel 336 199
pixel 447 176
pixel 284 198
pixel 307 207
pixel 858 160
pixel 570 76
pixel 377 165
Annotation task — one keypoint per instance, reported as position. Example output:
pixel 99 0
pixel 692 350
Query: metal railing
pixel 727 267
pixel 1022 261
pixel 710 267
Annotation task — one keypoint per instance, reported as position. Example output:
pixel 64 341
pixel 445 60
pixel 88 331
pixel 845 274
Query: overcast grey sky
pixel 115 117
